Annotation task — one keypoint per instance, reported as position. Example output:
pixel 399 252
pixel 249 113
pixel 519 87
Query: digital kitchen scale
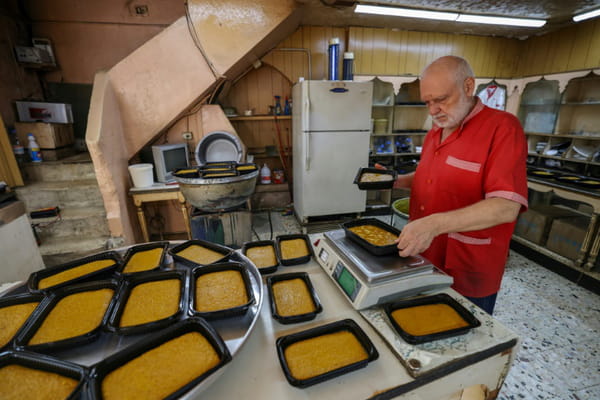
pixel 367 280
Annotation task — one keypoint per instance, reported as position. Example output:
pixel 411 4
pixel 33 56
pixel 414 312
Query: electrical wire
pixel 196 40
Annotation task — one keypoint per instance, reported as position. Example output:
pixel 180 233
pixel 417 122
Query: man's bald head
pixel 454 66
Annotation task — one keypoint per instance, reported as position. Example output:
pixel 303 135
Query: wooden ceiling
pixel 558 13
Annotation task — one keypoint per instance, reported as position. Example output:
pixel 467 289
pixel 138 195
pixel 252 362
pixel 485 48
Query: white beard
pixel 454 119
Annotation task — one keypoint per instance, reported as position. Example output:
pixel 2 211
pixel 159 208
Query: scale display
pixel 349 284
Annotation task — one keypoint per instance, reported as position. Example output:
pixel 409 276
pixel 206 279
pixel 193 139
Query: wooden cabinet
pixel 410 122
pixel 563 138
pixel 563 132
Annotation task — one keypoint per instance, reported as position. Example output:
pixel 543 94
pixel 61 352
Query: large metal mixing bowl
pixel 219 193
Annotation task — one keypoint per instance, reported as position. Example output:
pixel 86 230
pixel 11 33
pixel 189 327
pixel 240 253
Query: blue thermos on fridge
pixel 334 56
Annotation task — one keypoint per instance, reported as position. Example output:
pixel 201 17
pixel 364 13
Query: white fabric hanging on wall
pixel 493 96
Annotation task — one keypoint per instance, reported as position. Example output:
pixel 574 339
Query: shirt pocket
pixel 461 181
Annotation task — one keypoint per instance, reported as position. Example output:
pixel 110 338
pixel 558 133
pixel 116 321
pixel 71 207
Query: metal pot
pixel 218 193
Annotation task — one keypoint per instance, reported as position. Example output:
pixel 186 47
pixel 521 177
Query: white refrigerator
pixel 331 125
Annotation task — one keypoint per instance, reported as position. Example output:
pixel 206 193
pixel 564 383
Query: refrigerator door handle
pixel 306 135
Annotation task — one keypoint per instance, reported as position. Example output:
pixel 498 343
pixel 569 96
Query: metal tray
pixel 48 364
pixel 543 174
pixel 344 325
pixel 265 270
pixel 292 319
pixel 103 368
pixel 36 277
pixel 375 250
pixel 143 247
pixel 375 185
pixel 36 321
pixel 297 260
pixel 234 331
pixel 441 298
pixel 228 312
pixel 226 251
pixel 123 297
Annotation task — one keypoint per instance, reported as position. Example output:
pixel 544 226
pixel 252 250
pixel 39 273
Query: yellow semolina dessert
pixel 186 171
pixel 200 254
pixel 20 382
pixel 374 235
pixel 219 174
pixel 428 319
pixel 374 177
pixel 162 370
pixel 293 248
pixel 74 273
pixel 74 315
pixel 151 301
pixel 246 167
pixel 262 256
pixel 292 297
pixel 221 290
pixel 316 356
pixel 143 260
pixel 12 318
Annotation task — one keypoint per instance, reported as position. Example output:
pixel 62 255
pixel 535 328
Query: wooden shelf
pixel 564 159
pixel 260 117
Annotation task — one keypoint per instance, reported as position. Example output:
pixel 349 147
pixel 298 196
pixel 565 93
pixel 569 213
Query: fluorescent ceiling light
pixel 406 12
pixel 484 19
pixel 587 15
pixel 448 16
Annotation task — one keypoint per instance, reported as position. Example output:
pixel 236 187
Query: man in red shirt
pixel 469 186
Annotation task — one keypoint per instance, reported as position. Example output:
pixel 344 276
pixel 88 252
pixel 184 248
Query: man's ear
pixel 469 86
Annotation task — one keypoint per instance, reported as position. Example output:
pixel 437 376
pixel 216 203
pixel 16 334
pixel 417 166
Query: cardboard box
pixel 534 224
pixel 30 111
pixel 566 236
pixel 48 136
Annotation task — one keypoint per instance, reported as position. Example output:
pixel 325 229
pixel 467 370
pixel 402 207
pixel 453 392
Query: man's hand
pixel 416 236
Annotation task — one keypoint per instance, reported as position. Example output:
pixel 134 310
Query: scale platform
pixel 367 280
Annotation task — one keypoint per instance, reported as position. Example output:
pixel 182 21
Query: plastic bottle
pixel 287 109
pixel 334 55
pixel 277 110
pixel 34 149
pixel 19 151
pixel 265 174
pixel 348 71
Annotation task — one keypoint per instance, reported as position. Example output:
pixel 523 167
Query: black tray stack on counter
pixel 375 178
pixel 346 325
pixel 371 248
pixel 469 319
pixel 314 299
pixel 267 269
pixel 135 281
pixel 300 259
pixel 239 309
pixel 92 353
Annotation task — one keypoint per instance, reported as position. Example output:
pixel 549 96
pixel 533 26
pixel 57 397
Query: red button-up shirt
pixel 485 157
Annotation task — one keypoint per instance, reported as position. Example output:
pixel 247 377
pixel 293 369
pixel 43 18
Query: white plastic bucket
pixel 141 174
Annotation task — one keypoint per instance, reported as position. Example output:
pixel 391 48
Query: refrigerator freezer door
pixel 336 105
pixel 325 186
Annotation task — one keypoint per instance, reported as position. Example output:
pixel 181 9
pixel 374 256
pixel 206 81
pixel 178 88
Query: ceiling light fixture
pixel 587 15
pixel 448 16
pixel 406 12
pixel 485 19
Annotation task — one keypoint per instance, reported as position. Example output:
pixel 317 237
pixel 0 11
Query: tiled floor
pixel 558 322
